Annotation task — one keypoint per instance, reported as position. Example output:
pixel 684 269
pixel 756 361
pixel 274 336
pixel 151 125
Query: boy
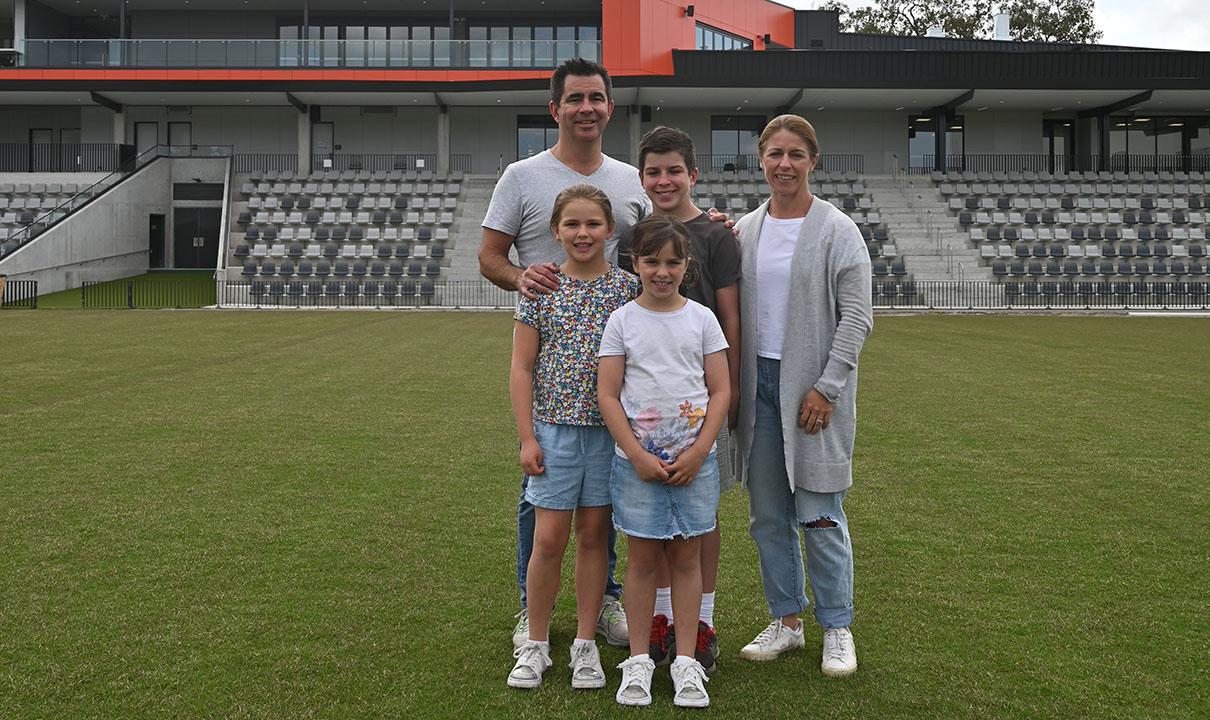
pixel 669 171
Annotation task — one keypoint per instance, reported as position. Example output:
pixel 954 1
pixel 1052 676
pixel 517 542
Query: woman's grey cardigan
pixel 830 316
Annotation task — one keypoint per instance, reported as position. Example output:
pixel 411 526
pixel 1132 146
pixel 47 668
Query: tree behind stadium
pixel 1036 20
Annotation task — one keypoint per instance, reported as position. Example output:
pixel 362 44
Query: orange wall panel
pixel 638 36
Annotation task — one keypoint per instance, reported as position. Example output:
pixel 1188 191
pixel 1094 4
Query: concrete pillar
pixel 636 131
pixel 304 142
pixel 443 140
pixel 19 28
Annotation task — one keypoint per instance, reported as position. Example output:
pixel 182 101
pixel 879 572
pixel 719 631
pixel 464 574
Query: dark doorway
pixel 146 136
pixel 322 145
pixel 155 241
pixel 195 237
pixel 42 150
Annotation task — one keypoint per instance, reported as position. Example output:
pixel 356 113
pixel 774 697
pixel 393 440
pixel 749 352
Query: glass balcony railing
pixel 412 54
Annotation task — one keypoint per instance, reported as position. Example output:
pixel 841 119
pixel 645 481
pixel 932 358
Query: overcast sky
pixel 1173 24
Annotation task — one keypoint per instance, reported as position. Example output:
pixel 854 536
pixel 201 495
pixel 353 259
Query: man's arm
pixel 493 260
pixel 495 266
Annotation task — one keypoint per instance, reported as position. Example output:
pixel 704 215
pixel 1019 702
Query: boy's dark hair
pixel 582 68
pixel 649 235
pixel 661 139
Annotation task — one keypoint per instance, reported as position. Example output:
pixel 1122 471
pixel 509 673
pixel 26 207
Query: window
pixel 709 38
pixel 733 142
pixel 535 133
pixel 1058 144
pixel 922 142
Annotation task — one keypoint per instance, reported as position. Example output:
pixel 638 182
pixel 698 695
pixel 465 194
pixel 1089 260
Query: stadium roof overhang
pixel 802 81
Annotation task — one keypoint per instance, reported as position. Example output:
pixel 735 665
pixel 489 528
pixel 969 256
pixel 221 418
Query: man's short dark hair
pixel 661 139
pixel 580 67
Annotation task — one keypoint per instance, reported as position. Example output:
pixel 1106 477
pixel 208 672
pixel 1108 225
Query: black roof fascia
pixel 1159 70
pixel 863 41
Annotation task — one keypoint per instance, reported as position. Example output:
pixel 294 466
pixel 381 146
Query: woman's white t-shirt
pixel 774 252
pixel 664 387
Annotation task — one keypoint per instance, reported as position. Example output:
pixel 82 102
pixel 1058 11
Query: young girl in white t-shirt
pixel 664 392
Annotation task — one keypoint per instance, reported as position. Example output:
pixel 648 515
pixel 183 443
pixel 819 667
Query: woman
pixel 805 308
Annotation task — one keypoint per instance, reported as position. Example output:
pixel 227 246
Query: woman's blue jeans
pixel 779 519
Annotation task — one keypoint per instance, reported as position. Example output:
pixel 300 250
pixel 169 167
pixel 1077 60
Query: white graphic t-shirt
pixel 664 387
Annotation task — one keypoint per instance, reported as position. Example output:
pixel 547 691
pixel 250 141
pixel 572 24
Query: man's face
pixel 584 111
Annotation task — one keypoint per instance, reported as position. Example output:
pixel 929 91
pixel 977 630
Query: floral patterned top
pixel 569 322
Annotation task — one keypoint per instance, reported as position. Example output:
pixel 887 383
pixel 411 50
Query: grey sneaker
pixel 636 681
pixel 772 642
pixel 839 653
pixel 689 683
pixel 521 629
pixel 611 623
pixel 586 670
pixel 532 661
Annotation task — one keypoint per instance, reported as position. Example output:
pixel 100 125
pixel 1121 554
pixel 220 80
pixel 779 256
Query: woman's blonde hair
pixel 583 191
pixel 795 124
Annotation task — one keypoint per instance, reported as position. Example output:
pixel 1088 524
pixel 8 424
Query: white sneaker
pixel 689 683
pixel 636 681
pixel 611 623
pixel 839 653
pixel 532 660
pixel 773 641
pixel 521 629
pixel 586 670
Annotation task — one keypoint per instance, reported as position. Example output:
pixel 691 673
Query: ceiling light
pixel 820 107
pixel 898 108
pixel 1142 119
pixel 1056 108
pixel 981 109
pixel 1176 124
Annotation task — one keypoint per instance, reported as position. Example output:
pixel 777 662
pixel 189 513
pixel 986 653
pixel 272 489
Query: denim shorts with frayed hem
pixel 577 460
pixel 662 512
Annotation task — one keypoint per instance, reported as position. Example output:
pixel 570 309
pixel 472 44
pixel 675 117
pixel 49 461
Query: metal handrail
pixel 274 52
pixel 47 219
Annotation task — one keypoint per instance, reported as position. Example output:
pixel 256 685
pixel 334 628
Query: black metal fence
pixel 246 162
pixel 461 162
pixel 829 162
pixel 16 294
pixel 148 293
pixel 1044 295
pixel 63 157
pixel 406 293
pixel 1041 162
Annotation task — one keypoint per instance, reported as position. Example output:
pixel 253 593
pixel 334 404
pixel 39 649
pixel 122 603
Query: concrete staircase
pixel 462 250
pixel 926 235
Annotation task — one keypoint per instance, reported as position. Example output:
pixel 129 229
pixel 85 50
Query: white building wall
pixel 1003 132
pixel 17 121
pixel 489 135
pixel 406 130
pixel 248 129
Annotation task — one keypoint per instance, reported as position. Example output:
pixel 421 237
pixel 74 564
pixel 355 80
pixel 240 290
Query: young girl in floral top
pixel 664 392
pixel 566 451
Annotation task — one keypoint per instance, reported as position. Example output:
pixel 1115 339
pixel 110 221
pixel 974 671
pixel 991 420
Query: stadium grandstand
pixel 322 153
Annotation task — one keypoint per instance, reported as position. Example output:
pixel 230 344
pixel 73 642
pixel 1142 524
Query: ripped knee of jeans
pixel 818 523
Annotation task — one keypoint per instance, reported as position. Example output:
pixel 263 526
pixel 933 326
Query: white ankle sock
pixel 578 642
pixel 663 602
pixel 707 612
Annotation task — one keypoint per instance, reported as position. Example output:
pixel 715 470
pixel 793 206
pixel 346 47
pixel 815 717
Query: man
pixel 581 102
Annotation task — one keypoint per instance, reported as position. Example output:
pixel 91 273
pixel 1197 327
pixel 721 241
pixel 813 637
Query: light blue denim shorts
pixel 577 459
pixel 661 512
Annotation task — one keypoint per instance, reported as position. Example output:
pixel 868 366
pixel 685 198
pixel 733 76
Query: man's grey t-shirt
pixel 525 197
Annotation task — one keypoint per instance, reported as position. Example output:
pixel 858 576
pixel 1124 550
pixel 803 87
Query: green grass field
pixel 293 515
